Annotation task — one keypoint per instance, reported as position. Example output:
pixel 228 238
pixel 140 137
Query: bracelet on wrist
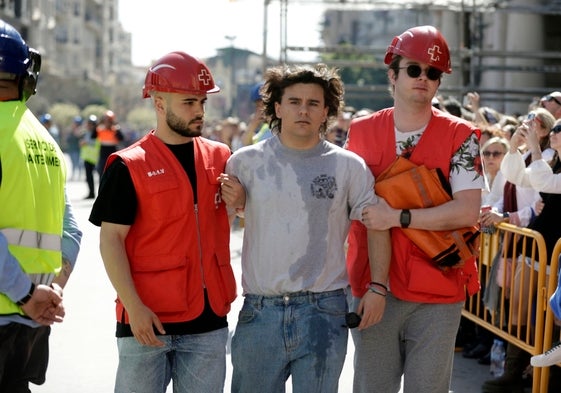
pixel 375 290
pixel 371 283
pixel 376 287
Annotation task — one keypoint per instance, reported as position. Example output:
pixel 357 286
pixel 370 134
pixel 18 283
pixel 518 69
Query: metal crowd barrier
pixel 549 316
pixel 497 315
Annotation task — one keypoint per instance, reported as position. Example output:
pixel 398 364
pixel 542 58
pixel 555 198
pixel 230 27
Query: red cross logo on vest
pixel 434 53
pixel 205 77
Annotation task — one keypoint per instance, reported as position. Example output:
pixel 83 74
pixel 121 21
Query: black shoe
pixel 503 384
pixel 469 346
pixel 91 196
pixel 485 359
pixel 477 352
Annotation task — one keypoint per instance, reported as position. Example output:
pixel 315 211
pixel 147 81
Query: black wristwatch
pixel 27 297
pixel 405 218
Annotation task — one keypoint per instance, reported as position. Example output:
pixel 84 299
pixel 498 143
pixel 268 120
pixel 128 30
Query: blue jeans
pixel 195 362
pixel 300 334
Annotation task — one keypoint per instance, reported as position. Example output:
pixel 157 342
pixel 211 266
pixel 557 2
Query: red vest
pixel 175 248
pixel 413 276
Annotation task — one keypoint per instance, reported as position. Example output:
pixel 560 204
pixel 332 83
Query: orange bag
pixel 405 185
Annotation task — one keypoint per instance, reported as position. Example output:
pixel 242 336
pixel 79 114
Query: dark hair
pixel 277 79
pixel 555 163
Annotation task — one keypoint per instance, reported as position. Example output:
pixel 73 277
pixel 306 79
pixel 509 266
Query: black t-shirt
pixel 117 202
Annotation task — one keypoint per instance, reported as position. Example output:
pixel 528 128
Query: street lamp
pixel 233 88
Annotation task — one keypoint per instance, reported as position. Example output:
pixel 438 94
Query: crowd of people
pixel 337 235
pixel 88 144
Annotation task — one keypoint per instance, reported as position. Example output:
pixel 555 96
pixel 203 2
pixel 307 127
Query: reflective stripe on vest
pixel 32 239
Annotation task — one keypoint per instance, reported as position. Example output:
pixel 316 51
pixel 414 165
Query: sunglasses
pixel 556 129
pixel 494 154
pixel 531 117
pixel 551 98
pixel 414 71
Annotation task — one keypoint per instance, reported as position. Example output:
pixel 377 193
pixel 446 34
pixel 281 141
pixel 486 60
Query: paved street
pixel 83 349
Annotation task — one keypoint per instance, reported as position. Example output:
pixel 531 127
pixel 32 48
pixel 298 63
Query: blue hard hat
pixel 255 94
pixel 78 119
pixel 46 117
pixel 14 52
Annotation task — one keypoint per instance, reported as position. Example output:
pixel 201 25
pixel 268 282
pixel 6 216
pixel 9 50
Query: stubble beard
pixel 182 128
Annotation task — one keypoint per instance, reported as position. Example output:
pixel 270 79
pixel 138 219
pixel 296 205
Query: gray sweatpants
pixel 415 340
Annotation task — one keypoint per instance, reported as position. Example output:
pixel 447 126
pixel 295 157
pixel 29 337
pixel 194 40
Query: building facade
pixel 76 38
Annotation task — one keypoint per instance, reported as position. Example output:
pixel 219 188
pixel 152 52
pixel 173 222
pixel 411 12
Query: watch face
pixel 405 218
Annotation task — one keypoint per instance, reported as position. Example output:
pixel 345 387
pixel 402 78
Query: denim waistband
pixel 293 297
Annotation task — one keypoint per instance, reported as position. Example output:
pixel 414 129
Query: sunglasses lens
pixel 433 73
pixel 414 71
pixel 556 129
pixel 494 154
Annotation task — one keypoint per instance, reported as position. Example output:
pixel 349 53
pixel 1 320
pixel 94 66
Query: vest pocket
pixel 426 277
pixel 161 282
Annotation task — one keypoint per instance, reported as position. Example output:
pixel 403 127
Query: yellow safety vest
pixel 89 152
pixel 31 194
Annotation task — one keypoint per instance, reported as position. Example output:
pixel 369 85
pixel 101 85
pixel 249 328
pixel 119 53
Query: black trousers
pixel 24 356
pixel 90 168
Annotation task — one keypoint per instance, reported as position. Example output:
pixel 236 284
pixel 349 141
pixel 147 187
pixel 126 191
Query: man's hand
pixel 379 216
pixel 142 321
pixel 45 306
pixel 233 193
pixel 371 308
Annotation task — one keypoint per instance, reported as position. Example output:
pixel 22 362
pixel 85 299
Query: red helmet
pixel 177 72
pixel 109 115
pixel 423 43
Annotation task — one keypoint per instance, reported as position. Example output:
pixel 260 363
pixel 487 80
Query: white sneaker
pixel 549 358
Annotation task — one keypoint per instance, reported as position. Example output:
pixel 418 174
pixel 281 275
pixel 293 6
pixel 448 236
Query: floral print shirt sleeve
pixel 465 167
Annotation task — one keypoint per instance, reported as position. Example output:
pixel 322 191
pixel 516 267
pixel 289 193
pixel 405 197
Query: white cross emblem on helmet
pixel 434 53
pixel 205 77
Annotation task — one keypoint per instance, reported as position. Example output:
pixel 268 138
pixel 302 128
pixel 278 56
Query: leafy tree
pixel 141 119
pixel 71 90
pixel 94 109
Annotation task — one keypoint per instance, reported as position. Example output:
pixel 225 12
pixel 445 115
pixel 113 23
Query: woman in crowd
pixel 536 168
pixel 492 153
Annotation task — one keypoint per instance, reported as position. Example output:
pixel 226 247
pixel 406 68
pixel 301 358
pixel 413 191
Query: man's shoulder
pixel 212 145
pixel 455 121
pixel 379 115
pixel 254 148
pixel 348 156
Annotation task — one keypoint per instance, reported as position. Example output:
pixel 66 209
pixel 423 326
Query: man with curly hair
pixel 301 194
